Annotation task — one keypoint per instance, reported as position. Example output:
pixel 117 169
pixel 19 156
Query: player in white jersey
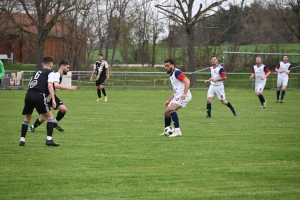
pixel 283 69
pixel 64 67
pixel 180 97
pixel 216 86
pixel 261 72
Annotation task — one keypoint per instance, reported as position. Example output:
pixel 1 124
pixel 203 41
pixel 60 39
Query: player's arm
pixel 267 73
pixel 252 74
pixel 222 76
pixel 63 87
pixel 93 72
pixel 277 68
pixel 107 71
pixel 169 100
pixel 51 89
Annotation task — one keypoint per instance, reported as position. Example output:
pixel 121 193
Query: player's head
pixel 258 60
pixel 47 62
pixel 64 65
pixel 100 56
pixel 214 60
pixel 169 65
pixel 285 58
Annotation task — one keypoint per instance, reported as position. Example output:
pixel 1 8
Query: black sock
pixel 37 123
pixel 261 98
pixel 60 115
pixel 174 117
pixel 282 94
pixel 208 108
pixel 24 128
pixel 278 93
pixel 99 93
pixel 103 91
pixel 229 106
pixel 50 126
pixel 167 121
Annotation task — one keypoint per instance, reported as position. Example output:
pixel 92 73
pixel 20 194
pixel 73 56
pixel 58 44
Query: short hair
pixel 214 56
pixel 63 62
pixel 285 55
pixel 170 61
pixel 100 54
pixel 47 59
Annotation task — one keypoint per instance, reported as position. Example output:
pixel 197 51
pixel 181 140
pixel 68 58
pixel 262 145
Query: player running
pixel 283 69
pixel 216 86
pixel 64 67
pixel 180 97
pixel 261 73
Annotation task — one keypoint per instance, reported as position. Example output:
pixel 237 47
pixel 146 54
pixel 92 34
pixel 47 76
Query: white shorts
pixel 282 81
pixel 259 87
pixel 180 102
pixel 218 90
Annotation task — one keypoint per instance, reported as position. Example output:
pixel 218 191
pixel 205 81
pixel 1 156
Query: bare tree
pixel 41 14
pixel 187 20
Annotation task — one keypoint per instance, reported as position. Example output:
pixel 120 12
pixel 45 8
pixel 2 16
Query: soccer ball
pixel 169 130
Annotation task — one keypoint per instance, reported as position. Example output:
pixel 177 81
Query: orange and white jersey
pixel 176 78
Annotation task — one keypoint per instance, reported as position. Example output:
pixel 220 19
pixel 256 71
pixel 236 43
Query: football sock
pixel 167 121
pixel 37 123
pixel 278 93
pixel 50 127
pixel 261 98
pixel 282 94
pixel 103 92
pixel 208 108
pixel 229 106
pixel 59 116
pixel 24 129
pixel 99 93
pixel 174 117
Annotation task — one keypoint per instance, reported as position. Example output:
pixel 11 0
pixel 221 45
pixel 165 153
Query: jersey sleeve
pixel 95 66
pixel 179 75
pixel 253 72
pixel 106 64
pixel 222 72
pixel 53 77
pixel 278 66
pixel 266 69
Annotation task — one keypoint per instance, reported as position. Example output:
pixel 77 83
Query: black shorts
pixel 35 100
pixel 58 102
pixel 100 81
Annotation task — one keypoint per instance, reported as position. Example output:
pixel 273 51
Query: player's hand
pixel 183 96
pixel 73 88
pixel 288 72
pixel 107 78
pixel 206 81
pixel 53 104
pixel 91 79
pixel 167 103
pixel 263 78
pixel 251 77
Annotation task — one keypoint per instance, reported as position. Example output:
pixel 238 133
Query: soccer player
pixel 261 73
pixel 101 70
pixel 216 86
pixel 64 67
pixel 2 71
pixel 180 97
pixel 39 87
pixel 283 69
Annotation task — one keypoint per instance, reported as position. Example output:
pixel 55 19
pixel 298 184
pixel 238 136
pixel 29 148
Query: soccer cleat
pixel 51 143
pixel 22 143
pixel 99 99
pixel 176 134
pixel 281 101
pixel 163 134
pixel 105 98
pixel 264 104
pixel 31 129
pixel 277 101
pixel 207 116
pixel 234 112
pixel 58 127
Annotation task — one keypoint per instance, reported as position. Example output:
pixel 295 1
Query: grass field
pixel 111 150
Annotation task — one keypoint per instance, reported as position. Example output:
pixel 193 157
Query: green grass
pixel 111 150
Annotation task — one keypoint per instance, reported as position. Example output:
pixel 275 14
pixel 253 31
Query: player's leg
pixel 279 84
pixel 102 82
pixel 172 109
pixel 284 84
pixel 168 120
pixel 259 90
pixel 210 95
pixel 37 123
pixel 62 110
pixel 27 111
pixel 98 90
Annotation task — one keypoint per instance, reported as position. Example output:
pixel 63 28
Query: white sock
pixel 177 130
pixel 55 121
pixel 22 139
pixel 49 138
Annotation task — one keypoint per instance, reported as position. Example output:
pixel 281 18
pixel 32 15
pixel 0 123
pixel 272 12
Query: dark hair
pixel 47 59
pixel 285 55
pixel 170 61
pixel 214 56
pixel 100 54
pixel 64 62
